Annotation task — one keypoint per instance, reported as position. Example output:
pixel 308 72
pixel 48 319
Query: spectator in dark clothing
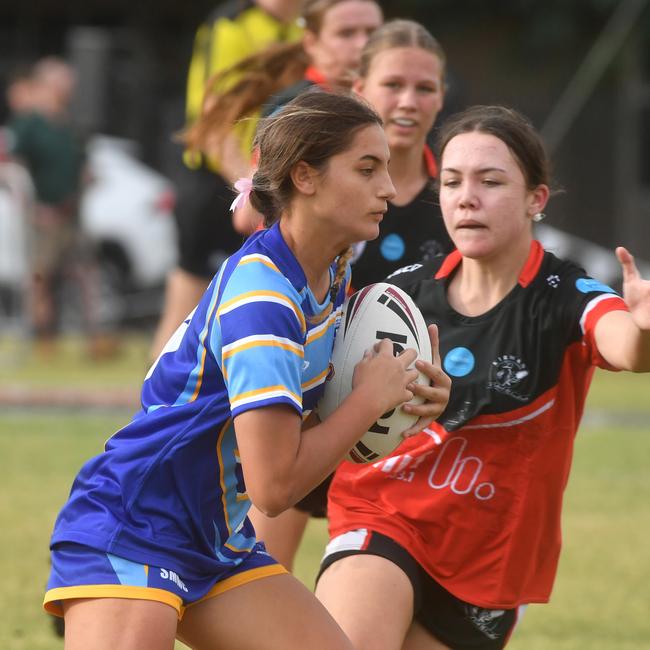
pixel 40 136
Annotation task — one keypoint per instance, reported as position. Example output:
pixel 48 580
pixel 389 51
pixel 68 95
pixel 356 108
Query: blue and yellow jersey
pixel 234 31
pixel 169 488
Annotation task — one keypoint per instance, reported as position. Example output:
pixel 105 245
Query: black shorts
pixel 457 624
pixel 206 236
pixel 315 503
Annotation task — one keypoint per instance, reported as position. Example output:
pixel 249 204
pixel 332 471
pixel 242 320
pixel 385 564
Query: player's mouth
pixel 404 122
pixel 470 224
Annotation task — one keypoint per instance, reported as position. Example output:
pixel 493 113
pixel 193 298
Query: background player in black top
pixel 403 76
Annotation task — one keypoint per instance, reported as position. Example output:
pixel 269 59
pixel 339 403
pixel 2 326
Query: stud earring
pixel 539 216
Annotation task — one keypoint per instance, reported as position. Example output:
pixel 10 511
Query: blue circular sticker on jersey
pixel 392 247
pixel 459 362
pixel 587 285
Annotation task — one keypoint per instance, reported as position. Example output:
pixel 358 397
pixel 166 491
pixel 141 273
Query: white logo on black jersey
pixel 506 373
pixel 405 269
pixel 553 281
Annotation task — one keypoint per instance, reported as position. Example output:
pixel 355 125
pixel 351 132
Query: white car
pixel 16 197
pixel 127 211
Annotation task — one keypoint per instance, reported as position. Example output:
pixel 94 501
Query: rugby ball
pixel 377 312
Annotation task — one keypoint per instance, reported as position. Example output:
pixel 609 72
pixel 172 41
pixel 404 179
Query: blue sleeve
pixel 262 333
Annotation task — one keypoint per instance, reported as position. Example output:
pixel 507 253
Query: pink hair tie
pixel 244 186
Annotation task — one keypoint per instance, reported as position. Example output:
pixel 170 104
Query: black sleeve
pixel 576 294
pixel 410 277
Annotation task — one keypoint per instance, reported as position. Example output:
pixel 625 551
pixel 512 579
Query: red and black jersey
pixel 477 497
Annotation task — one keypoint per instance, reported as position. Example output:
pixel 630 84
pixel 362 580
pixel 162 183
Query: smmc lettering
pixel 173 576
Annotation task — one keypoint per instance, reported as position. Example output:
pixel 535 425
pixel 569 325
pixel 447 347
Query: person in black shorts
pixel 456 623
pixel 442 543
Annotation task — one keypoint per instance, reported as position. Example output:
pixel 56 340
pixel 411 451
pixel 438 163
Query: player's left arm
pixel 623 338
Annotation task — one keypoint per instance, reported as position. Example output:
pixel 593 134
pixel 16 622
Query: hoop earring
pixel 539 216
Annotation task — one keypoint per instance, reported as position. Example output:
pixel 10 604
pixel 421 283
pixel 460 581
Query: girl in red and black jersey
pixel 440 544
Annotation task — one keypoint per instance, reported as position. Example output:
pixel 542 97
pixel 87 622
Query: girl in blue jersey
pixel 154 542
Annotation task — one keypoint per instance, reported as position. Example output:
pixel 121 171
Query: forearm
pixel 302 460
pixel 282 463
pixel 636 348
pixel 623 343
pixel 227 151
pixel 323 446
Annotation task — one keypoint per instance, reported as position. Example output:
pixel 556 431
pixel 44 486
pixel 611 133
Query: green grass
pixel 39 455
pixel 602 596
pixel 68 364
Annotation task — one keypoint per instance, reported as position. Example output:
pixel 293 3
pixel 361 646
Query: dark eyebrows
pixel 374 159
pixel 483 170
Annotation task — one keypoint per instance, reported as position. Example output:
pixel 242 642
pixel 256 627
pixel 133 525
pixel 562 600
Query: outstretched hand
pixel 636 290
pixel 436 393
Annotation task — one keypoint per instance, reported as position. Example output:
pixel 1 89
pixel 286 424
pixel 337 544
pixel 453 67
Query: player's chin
pixel 473 248
pixel 367 233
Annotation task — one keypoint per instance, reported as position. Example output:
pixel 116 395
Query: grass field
pixel 602 595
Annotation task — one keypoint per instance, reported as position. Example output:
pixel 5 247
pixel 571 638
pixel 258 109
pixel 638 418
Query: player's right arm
pixel 282 463
pixel 257 336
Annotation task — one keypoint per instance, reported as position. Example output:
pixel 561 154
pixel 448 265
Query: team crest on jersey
pixel 486 620
pixel 506 373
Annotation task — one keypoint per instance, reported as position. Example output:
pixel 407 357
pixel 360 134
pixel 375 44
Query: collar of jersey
pixel 289 266
pixel 430 162
pixel 314 75
pixel 528 272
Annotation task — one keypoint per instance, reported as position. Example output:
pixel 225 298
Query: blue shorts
pixel 82 572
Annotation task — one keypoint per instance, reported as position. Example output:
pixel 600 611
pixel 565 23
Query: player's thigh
pixel 419 638
pixel 111 623
pixel 371 598
pixel 265 614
